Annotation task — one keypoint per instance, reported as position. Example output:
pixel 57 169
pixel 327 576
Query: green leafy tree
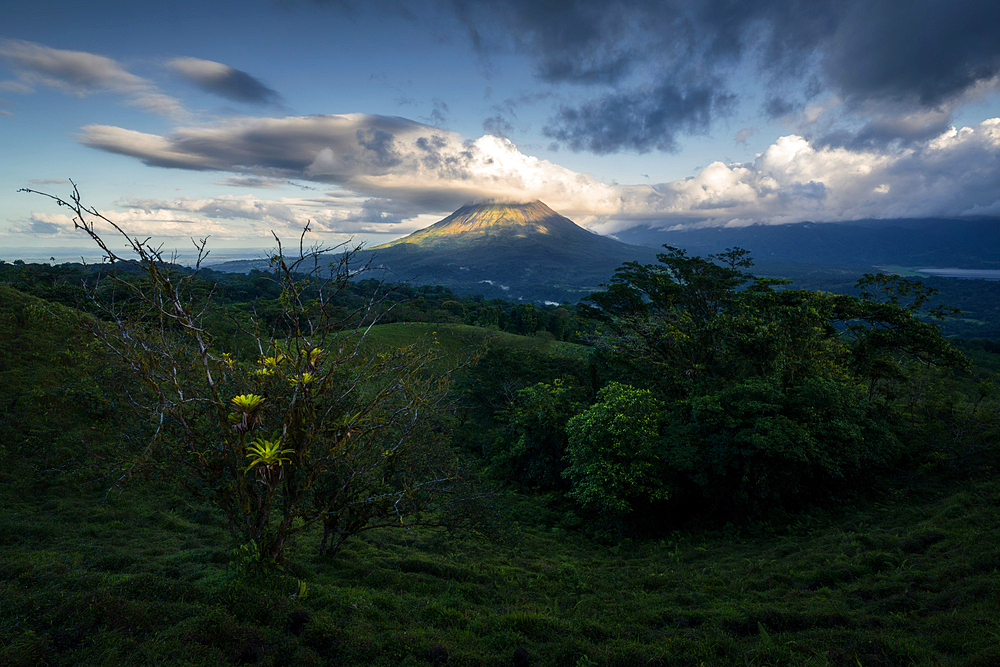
pixel 531 447
pixel 772 394
pixel 758 445
pixel 614 456
pixel 321 430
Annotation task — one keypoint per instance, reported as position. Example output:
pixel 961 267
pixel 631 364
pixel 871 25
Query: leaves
pixel 613 457
pixel 267 453
pixel 774 394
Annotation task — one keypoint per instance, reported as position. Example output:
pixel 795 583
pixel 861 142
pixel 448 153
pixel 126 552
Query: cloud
pixel 80 74
pixel 431 172
pixel 253 182
pixel 224 81
pixel 157 222
pixel 951 175
pixel 286 216
pixel 43 223
pixel 885 127
pixel 439 114
pixel 679 60
pixel 638 120
pixel 16 87
pixel 744 134
pixel 385 172
pixel 498 126
pixel 371 156
pixel 921 52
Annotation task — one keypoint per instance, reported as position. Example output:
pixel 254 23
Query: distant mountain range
pixel 918 243
pixel 530 252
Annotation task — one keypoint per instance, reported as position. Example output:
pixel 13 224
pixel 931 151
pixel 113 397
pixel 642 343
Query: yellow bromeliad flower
pixel 305 378
pixel 228 360
pixel 247 402
pixel 314 356
pixel 267 453
pixel 273 362
pixel 264 372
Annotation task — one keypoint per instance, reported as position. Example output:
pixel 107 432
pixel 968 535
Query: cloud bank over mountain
pixel 412 168
pixel 955 174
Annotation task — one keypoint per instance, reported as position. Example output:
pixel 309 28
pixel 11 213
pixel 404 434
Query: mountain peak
pixel 487 221
pixel 510 250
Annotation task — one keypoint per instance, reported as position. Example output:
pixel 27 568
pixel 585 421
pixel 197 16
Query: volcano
pixel 520 251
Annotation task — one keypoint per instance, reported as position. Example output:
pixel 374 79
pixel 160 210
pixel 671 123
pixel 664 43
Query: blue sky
pixel 373 119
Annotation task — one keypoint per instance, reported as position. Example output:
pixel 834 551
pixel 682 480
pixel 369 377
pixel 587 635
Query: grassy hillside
pixel 150 575
pixel 144 579
pixel 53 385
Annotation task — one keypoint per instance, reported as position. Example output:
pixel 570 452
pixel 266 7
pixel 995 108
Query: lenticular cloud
pixel 369 155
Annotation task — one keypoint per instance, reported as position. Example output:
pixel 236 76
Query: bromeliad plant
pixel 247 413
pixel 357 438
pixel 267 454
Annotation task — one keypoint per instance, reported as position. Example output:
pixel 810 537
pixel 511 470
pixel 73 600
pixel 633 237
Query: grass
pixel 145 579
pixel 453 338
pixel 456 344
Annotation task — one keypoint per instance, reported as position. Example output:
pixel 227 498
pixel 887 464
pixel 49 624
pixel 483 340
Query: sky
pixel 238 121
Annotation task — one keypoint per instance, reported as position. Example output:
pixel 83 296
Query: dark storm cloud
pixel 224 81
pixel 638 120
pixel 924 51
pixel 910 56
pixel 905 130
pixel 382 144
pixel 776 107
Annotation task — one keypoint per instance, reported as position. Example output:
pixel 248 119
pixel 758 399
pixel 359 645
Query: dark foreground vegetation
pixel 694 467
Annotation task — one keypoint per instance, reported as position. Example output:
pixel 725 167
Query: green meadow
pixel 102 564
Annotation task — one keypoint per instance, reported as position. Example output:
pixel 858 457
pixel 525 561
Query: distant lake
pixel 982 274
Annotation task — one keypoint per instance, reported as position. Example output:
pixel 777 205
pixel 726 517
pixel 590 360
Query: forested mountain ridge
pixel 972 244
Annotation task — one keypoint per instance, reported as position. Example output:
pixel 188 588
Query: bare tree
pixel 322 431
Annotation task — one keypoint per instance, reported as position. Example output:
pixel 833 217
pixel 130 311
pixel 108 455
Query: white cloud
pixel 80 74
pixel 286 215
pixel 369 155
pixel 199 70
pixel 410 170
pixel 43 223
pixel 139 144
pixel 954 174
